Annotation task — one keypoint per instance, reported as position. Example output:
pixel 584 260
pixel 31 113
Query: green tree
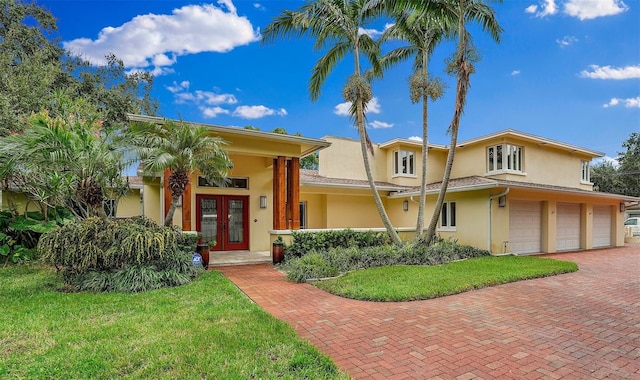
pixel 461 12
pixel 33 67
pixel 181 148
pixel 68 160
pixel 310 162
pixel 605 178
pixel 336 25
pixel 422 32
pixel 629 168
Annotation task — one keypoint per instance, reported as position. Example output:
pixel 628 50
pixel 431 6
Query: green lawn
pixel 207 329
pixel 407 283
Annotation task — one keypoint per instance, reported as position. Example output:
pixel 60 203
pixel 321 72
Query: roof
pixel 479 183
pixel 308 145
pixel 532 138
pixel 415 143
pixel 312 178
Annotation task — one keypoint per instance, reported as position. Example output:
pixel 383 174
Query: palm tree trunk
pixel 464 73
pixel 393 235
pixel 168 220
pixel 425 146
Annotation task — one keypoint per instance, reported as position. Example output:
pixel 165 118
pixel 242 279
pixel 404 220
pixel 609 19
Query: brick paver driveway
pixel 580 325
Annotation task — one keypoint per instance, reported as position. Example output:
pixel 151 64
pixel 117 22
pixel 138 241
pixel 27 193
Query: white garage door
pixel 568 226
pixel 601 226
pixel 525 221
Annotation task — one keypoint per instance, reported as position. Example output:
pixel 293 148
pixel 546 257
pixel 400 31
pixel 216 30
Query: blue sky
pixel 567 70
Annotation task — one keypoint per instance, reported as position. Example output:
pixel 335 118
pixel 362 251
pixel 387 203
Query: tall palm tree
pixel 422 33
pixel 181 148
pixel 462 64
pixel 337 24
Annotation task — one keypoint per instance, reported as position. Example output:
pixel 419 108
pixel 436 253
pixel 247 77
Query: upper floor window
pixel 504 157
pixel 448 216
pixel 403 162
pixel 585 175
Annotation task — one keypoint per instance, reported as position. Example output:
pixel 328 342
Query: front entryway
pixel 225 219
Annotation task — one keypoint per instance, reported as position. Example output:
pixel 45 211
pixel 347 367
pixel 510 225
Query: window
pixel 504 157
pixel 448 216
pixel 232 183
pixel 403 163
pixel 585 175
pixel 303 215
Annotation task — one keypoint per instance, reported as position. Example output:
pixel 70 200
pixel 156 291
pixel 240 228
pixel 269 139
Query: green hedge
pixel 305 242
pixel 331 262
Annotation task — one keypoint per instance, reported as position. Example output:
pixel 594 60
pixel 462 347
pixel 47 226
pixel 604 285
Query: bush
pixel 334 261
pixel 305 242
pixel 122 255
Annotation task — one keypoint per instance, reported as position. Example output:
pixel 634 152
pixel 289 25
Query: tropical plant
pixel 180 148
pixel 422 32
pixel 122 255
pixel 67 160
pixel 457 12
pixel 337 25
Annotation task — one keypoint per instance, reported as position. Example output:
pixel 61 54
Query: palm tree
pixel 462 65
pixel 422 33
pixel 180 148
pixel 337 24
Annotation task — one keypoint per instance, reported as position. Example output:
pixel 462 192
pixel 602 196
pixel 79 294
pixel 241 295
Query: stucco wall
pixel 130 204
pixel 343 159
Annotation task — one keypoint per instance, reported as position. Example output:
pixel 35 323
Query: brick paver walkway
pixel 580 325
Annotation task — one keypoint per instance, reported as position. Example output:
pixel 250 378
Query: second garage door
pixel 568 226
pixel 525 220
pixel 601 226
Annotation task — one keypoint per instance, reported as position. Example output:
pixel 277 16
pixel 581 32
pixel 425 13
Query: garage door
pixel 601 226
pixel 525 221
pixel 568 226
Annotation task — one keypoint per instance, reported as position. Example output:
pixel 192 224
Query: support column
pixel 186 208
pixel 279 193
pixel 293 193
pixel 167 194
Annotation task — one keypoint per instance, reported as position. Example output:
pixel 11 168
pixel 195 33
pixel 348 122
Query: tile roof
pixel 312 178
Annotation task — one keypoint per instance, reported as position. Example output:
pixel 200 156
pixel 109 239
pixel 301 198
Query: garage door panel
pixel 601 226
pixel 525 221
pixel 567 226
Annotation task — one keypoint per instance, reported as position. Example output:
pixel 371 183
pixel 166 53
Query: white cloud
pixel 515 72
pixel 628 103
pixel 608 72
pixel 590 9
pixel 211 112
pixel 257 112
pixel 151 41
pixel 376 124
pixel 373 33
pixel 415 138
pixel 179 87
pixel 259 6
pixel 566 41
pixel 342 109
pixel 545 8
pixel 612 160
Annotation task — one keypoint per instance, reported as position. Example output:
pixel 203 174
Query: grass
pixel 207 329
pixel 408 283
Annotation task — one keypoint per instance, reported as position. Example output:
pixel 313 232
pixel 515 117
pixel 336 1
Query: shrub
pixel 334 261
pixel 123 255
pixel 305 242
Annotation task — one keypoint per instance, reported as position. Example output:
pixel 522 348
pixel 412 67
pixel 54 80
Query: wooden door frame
pixel 223 214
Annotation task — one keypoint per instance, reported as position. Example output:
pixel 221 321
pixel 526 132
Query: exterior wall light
pixel 263 201
pixel 405 205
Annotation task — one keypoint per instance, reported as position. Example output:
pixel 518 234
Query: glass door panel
pixel 209 219
pixel 223 218
pixel 236 222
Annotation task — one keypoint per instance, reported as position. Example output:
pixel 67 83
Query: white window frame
pixel 448 216
pixel 505 158
pixel 398 168
pixel 585 172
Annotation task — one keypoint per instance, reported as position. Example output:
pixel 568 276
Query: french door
pixel 225 219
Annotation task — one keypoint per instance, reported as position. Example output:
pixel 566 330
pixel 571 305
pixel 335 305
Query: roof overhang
pixel 290 145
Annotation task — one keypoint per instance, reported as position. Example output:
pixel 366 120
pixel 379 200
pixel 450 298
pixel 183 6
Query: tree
pixel 182 149
pixel 310 162
pixel 422 33
pixel 336 25
pixel 605 178
pixel 630 165
pixel 68 160
pixel 33 67
pixel 462 65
